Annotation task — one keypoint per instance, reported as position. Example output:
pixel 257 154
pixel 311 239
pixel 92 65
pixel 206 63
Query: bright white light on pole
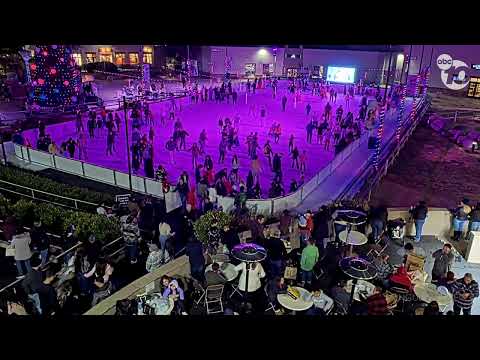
pixel 262 52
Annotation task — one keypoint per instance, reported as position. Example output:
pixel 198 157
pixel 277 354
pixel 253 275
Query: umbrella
pixel 357 269
pixel 248 253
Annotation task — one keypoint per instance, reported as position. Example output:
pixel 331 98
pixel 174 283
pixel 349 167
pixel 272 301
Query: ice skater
pixel 222 149
pixel 202 140
pixel 303 161
pixel 308 108
pixel 110 141
pixel 277 133
pixel 263 114
pixel 295 155
pixel 171 146
pixel 291 142
pixel 267 151
pixel 310 127
pixel 151 134
pixel 79 122
pixel 82 146
pixel 284 102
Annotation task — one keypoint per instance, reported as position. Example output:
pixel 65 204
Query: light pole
pixel 128 143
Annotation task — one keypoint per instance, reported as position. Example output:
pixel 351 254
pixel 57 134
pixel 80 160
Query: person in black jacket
pixel 40 241
pixel 194 251
pixel 230 238
pixel 48 295
pixel 419 214
pixel 475 218
pixel 276 254
pixel 378 218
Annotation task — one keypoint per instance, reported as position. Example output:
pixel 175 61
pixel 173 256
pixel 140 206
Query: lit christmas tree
pixel 56 79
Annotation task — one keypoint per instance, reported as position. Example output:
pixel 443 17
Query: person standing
pixel 303 161
pixel 460 219
pixel 131 235
pixel 284 102
pixel 295 155
pixel 308 261
pixel 267 151
pixel 21 244
pixel 308 108
pixel 310 128
pixel 442 263
pixel 291 143
pixel 154 259
pixel 465 290
pixel 195 253
pixel 475 218
pixel 419 214
pixel 164 233
pixel 40 241
pixel 110 140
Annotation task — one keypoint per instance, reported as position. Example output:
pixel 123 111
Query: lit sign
pixel 476 66
pixel 473 89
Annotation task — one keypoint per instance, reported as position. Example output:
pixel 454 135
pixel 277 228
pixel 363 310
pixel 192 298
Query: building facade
pixel 295 60
pixel 120 55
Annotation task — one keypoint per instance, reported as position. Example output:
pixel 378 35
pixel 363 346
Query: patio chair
pixel 213 295
pixel 271 302
pixel 444 291
pixel 198 289
pixel 220 258
pixel 404 297
pixel 379 247
pixel 338 308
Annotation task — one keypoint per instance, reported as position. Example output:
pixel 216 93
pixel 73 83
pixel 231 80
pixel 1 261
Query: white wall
pixel 244 55
pixel 361 60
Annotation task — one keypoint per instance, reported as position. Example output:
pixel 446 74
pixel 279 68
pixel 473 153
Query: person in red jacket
pixel 377 303
pixel 401 279
pixel 192 199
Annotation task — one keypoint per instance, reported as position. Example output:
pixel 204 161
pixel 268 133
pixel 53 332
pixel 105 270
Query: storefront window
pixel 78 59
pixel 147 58
pixel 91 57
pixel 133 58
pixel 106 54
pixel 120 58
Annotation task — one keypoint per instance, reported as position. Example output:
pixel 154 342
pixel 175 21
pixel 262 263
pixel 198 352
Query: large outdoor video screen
pixel 344 75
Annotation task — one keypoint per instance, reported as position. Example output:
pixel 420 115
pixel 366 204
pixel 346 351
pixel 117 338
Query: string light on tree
pixel 55 77
pixel 378 144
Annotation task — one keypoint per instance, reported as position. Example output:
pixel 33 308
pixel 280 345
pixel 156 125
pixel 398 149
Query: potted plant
pixel 208 229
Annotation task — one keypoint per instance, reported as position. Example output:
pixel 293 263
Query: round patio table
pixel 304 301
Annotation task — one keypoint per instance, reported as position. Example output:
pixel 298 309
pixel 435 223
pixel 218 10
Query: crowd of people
pixel 53 287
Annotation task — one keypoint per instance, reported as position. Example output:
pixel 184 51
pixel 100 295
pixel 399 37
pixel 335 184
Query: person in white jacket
pixel 21 243
pixel 256 273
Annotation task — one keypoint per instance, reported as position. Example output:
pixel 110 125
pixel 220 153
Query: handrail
pixel 49 194
pixel 387 155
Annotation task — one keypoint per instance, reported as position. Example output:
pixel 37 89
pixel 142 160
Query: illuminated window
pixel 91 57
pixel 78 59
pixel 147 49
pixel 133 58
pixel 105 50
pixel 106 57
pixel 147 58
pixel 120 58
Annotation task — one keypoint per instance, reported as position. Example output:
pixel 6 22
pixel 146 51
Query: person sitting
pixel 154 259
pixel 409 250
pixel 400 279
pixel 448 281
pixel 274 287
pixel 178 296
pixel 432 309
pixel 340 296
pixel 384 269
pixel 377 303
pixel 215 276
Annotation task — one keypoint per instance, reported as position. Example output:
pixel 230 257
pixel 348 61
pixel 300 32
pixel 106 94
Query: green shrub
pixel 204 224
pixel 25 178
pixel 57 219
pixel 4 207
pixel 24 211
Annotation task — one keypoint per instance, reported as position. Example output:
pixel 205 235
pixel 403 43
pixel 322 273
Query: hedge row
pixel 33 181
pixel 57 219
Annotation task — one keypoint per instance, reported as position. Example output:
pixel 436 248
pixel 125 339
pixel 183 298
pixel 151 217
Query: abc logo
pixel 444 62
